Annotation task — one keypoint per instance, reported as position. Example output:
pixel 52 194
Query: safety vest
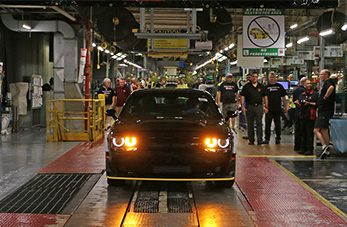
pixel 291 103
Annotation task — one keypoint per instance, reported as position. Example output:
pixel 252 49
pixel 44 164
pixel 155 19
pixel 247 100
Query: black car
pixel 170 135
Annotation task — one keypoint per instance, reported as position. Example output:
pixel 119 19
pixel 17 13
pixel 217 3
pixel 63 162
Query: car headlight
pixel 118 141
pixel 130 142
pixel 213 142
pixel 223 143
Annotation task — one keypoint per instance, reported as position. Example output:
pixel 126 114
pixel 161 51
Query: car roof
pixel 181 91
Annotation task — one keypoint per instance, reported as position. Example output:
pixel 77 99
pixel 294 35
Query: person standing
pixel 122 94
pixel 275 92
pixel 110 98
pixel 150 84
pixel 307 104
pixel 255 96
pixel 134 85
pixel 196 84
pixel 297 125
pixel 228 95
pixel 326 106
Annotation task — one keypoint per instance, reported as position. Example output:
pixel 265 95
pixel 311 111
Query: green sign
pixel 255 52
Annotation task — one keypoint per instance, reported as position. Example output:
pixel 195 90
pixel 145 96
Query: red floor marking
pixel 277 199
pixel 32 220
pixel 84 158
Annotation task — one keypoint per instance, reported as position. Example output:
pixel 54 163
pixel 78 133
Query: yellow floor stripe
pixel 277 156
pixel 171 179
pixel 321 198
pixel 324 179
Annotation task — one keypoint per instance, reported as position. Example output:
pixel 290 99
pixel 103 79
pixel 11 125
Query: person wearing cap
pixel 228 95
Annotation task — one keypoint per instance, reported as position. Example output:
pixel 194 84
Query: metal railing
pixel 68 121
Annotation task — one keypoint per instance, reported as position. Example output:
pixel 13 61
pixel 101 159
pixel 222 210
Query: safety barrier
pixel 67 120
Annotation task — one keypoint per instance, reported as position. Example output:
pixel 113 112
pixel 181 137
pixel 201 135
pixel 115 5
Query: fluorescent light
pixel 326 32
pixel 303 40
pixel 114 57
pixel 231 45
pixel 289 45
pixel 100 48
pixel 233 63
pixel 221 51
pixel 344 27
pixel 226 48
pixel 107 51
pixel 94 44
pixel 293 26
pixel 265 60
pixel 26 26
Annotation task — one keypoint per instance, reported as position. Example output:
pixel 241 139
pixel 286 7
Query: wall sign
pixel 263 32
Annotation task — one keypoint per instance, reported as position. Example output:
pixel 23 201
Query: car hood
pixel 183 126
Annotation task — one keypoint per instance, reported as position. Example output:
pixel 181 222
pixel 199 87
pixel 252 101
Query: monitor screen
pixel 285 84
pixel 293 83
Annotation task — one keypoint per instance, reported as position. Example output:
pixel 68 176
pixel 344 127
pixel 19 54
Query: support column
pixel 142 20
pixel 321 53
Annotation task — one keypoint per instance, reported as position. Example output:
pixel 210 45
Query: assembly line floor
pixel 63 184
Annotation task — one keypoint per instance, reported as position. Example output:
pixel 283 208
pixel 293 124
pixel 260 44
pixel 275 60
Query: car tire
pixel 112 182
pixel 224 184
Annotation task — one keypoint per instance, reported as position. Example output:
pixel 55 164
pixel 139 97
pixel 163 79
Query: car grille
pixel 172 169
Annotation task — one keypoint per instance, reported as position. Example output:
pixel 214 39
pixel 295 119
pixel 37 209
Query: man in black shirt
pixel 255 96
pixel 297 125
pixel 275 92
pixel 325 104
pixel 228 95
pixel 307 104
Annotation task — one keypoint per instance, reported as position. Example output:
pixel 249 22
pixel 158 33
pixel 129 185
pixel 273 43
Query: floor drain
pixel 44 194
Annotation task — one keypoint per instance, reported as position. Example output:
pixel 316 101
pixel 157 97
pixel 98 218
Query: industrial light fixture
pixel 265 60
pixel 100 48
pixel 326 32
pixel 344 27
pixel 26 26
pixel 231 45
pixel 94 44
pixel 303 40
pixel 289 45
pixel 107 51
pixel 233 62
pixel 293 26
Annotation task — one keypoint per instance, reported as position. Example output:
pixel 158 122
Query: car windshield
pixel 171 106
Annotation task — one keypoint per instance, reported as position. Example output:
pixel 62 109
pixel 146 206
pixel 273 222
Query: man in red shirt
pixel 122 94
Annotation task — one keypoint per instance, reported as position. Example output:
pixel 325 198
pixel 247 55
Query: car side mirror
pixel 111 113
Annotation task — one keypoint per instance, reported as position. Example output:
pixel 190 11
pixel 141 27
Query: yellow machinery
pixel 65 123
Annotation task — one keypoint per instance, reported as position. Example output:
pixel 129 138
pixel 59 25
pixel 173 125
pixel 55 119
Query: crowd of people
pixel 308 109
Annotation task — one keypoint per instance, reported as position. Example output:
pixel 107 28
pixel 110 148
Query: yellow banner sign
pixel 169 43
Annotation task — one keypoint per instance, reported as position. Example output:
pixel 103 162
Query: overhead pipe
pixel 56 8
pixel 38 26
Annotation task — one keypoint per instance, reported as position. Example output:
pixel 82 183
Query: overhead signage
pixel 263 32
pixel 168 43
pixel 329 51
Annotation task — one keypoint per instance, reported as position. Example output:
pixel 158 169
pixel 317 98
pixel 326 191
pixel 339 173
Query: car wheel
pixel 224 184
pixel 112 182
